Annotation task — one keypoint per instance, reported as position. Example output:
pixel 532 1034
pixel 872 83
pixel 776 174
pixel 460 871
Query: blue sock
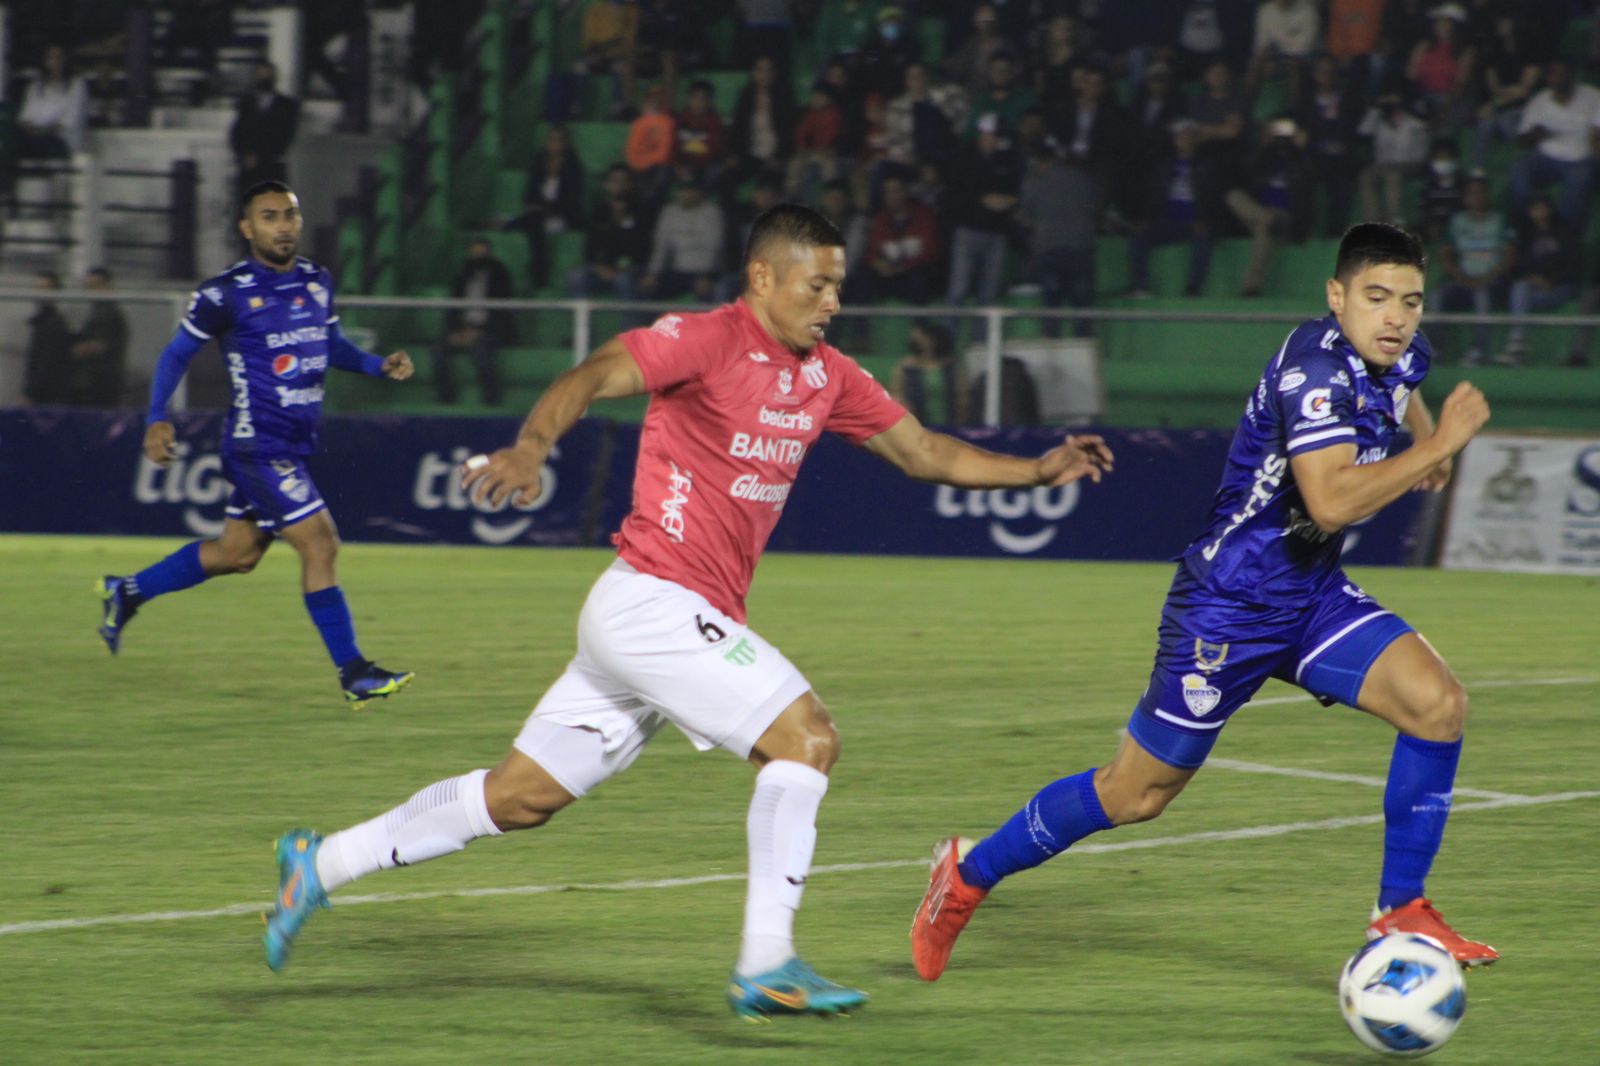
pixel 1416 802
pixel 1063 813
pixel 178 571
pixel 332 617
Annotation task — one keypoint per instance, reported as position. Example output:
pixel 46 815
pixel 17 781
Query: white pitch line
pixel 1256 832
pixel 1325 775
pixel 1499 682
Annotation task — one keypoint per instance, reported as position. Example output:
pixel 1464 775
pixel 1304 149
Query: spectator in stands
pixel 1546 272
pixel 1057 208
pixel 616 242
pixel 552 200
pixel 968 64
pixel 1004 95
pixel 1090 129
pixel 55 110
pixel 1286 36
pixel 1222 120
pixel 477 331
pixel 767 30
pixel 1146 142
pixel 838 78
pixel 765 192
pixel 99 349
pixel 1202 38
pixel 844 27
pixel 1330 112
pixel 1055 68
pixel 652 140
pixel 610 43
pixel 921 122
pixel 816 145
pixel 881 65
pixel 840 207
pixel 264 125
pixel 686 250
pixel 903 247
pixel 1560 131
pixel 1399 149
pixel 1171 213
pixel 1440 69
pixel 929 373
pixel 1354 27
pixel 671 33
pixel 1442 190
pixel 984 185
pixel 48 380
pixel 1274 203
pixel 1477 256
pixel 1511 73
pixel 701 136
pixel 763 123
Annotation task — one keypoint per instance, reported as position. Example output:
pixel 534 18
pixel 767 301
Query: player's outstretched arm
pixel 1338 492
pixel 928 455
pixel 608 374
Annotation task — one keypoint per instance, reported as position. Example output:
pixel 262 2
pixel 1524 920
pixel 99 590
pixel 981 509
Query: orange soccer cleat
pixel 1419 916
pixel 945 909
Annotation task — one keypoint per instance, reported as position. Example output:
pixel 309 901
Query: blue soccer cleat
pixel 793 988
pixel 120 607
pixel 364 681
pixel 299 893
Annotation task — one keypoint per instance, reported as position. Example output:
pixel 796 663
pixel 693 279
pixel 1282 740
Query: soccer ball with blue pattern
pixel 1403 994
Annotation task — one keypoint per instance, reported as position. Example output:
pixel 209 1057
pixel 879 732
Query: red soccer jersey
pixel 732 414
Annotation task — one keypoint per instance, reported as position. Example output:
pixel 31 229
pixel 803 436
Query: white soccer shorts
pixel 651 652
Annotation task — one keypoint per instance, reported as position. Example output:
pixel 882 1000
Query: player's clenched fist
pixel 1464 412
pixel 158 443
pixel 513 472
pixel 397 367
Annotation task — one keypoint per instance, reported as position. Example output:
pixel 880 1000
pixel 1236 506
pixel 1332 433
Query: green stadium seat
pixel 599 144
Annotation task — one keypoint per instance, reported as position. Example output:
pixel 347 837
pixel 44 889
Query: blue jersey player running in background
pixel 273 317
pixel 1260 593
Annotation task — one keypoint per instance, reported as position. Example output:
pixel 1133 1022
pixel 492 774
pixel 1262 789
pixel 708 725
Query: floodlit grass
pixel 156 782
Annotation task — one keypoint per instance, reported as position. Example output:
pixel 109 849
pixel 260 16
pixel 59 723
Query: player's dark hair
pixel 260 188
pixel 1368 244
pixel 793 224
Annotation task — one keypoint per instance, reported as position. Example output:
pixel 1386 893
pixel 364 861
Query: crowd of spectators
pixel 960 172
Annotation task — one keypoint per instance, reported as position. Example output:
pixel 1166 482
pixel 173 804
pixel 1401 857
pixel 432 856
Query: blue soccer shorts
pixel 1215 654
pixel 271 491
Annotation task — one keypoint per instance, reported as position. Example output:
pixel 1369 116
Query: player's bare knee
pixel 1142 806
pixel 1445 717
pixel 512 807
pixel 822 744
pixel 245 561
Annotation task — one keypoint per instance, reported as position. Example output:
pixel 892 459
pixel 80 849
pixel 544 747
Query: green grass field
pixel 142 795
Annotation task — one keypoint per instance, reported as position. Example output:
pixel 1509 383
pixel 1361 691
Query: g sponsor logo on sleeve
pixel 1317 403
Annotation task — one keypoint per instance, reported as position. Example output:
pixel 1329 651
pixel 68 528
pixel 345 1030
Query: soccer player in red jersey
pixel 738 397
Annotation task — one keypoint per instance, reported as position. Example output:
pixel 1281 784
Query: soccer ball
pixel 1402 994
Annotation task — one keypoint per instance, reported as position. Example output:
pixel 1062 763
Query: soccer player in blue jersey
pixel 274 318
pixel 1260 593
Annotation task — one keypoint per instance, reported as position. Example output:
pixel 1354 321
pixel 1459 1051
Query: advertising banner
pixel 1529 504
pixel 395 479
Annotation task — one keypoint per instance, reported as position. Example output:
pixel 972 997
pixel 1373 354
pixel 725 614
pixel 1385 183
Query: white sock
pixel 782 832
pixel 442 818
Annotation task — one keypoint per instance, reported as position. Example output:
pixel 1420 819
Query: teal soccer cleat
pixel 793 988
pixel 299 893
pixel 120 606
pixel 364 681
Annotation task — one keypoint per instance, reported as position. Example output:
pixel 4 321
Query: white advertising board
pixel 1525 503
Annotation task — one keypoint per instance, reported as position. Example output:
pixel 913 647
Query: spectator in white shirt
pixel 1399 148
pixel 1286 37
pixel 1561 130
pixel 54 112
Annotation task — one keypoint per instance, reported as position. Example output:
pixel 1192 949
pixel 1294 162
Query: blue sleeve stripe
pixel 1321 435
pixel 190 326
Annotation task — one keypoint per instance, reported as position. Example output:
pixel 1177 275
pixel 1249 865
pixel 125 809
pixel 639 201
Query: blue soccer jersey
pixel 272 328
pixel 1260 544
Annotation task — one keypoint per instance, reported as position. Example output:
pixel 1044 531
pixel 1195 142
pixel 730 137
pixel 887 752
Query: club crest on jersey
pixel 1201 697
pixel 1208 656
pixel 759 357
pixel 286 365
pixel 786 381
pixel 318 293
pixel 667 325
pixel 811 370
